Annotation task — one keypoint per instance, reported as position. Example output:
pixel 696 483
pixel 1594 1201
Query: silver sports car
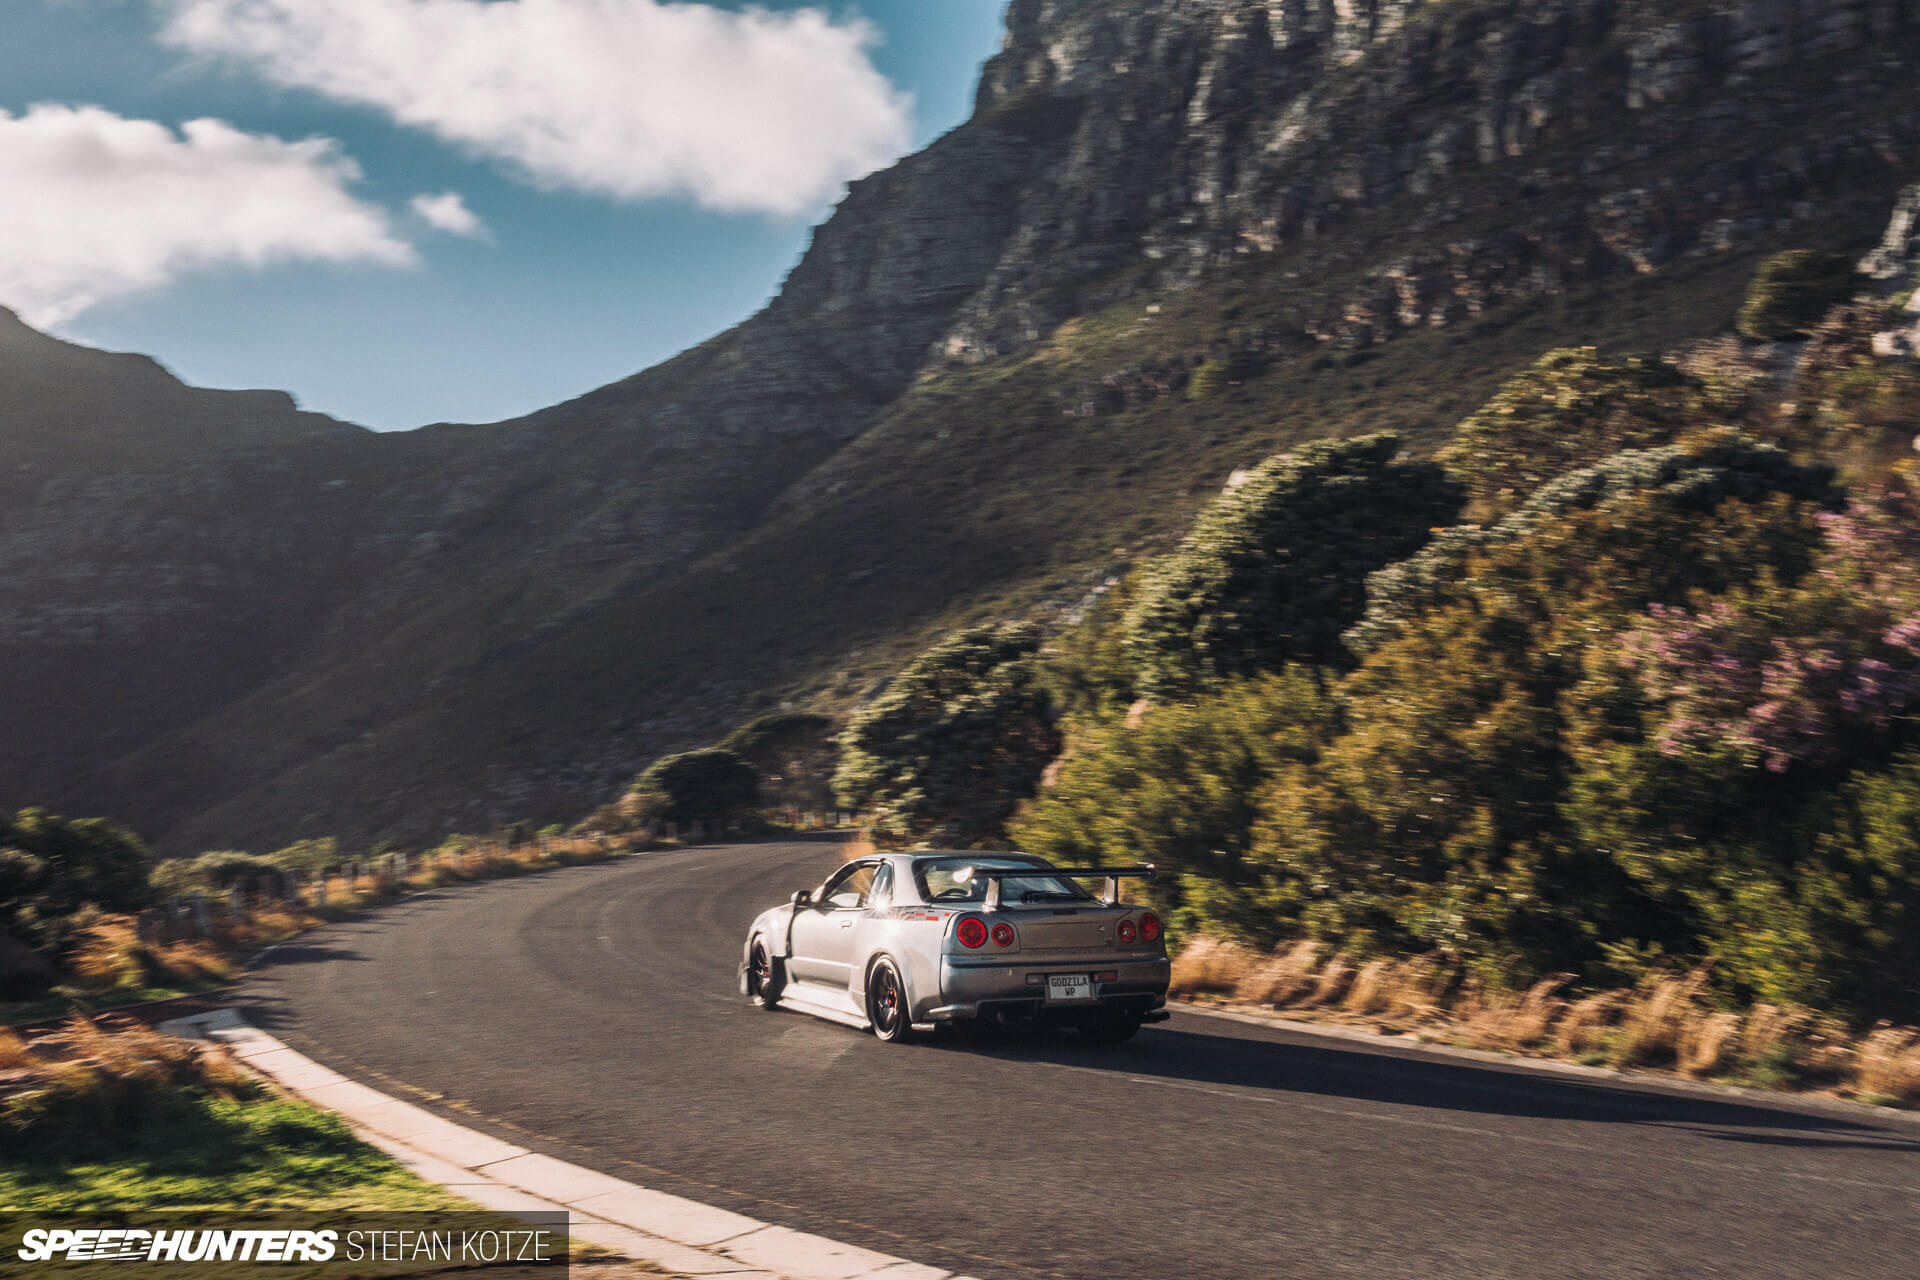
pixel 912 942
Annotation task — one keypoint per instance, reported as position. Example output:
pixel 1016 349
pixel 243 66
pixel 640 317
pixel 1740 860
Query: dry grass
pixel 1705 1041
pixel 111 956
pixel 1888 1064
pixel 112 963
pixel 1768 1031
pixel 14 1050
pixel 1282 978
pixel 1372 989
pixel 1588 1024
pixel 1330 985
pixel 1655 1022
pixel 106 1076
pixel 1513 1019
pixel 1210 967
pixel 1669 1022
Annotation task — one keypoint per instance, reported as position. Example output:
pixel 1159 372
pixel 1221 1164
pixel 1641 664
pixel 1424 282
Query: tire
pixel 1112 1028
pixel 766 975
pixel 887 1003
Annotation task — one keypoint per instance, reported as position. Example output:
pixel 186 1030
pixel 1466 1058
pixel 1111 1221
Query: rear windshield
pixel 952 880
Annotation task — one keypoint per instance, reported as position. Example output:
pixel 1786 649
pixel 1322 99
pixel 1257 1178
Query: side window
pixel 849 888
pixel 881 895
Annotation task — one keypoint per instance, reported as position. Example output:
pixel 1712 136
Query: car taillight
pixel 972 932
pixel 1149 927
pixel 1125 932
pixel 1003 935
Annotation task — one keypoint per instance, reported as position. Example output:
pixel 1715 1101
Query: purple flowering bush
pixel 1746 759
pixel 1780 677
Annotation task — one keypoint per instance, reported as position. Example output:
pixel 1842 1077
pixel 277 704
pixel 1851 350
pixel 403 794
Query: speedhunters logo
pixel 368 1245
pixel 130 1244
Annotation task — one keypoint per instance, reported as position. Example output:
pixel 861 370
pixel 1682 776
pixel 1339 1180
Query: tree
pixel 959 737
pixel 1275 568
pixel 711 785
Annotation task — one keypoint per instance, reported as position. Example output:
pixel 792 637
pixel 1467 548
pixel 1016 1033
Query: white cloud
pixel 448 212
pixel 95 206
pixel 748 110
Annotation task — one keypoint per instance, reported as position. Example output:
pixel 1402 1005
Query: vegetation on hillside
pixel 1275 569
pixel 188 924
pixel 1657 712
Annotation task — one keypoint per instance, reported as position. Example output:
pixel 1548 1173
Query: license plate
pixel 1069 986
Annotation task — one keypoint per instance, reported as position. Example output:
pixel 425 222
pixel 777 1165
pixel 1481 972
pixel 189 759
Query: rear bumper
pixel 1003 990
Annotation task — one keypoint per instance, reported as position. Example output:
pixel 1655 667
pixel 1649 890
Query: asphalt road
pixel 590 1013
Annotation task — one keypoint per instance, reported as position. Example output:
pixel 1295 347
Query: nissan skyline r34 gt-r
pixel 913 942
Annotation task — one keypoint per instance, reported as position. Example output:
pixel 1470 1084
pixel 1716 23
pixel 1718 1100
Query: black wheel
pixel 766 976
pixel 887 1003
pixel 1112 1028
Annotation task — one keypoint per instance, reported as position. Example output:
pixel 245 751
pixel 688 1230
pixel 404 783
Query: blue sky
pixel 521 199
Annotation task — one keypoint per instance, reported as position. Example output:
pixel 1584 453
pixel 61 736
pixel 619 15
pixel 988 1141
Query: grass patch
pixel 109 1122
pixel 118 1118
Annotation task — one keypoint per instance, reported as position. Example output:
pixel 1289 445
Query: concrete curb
pixel 680 1235
pixel 1553 1067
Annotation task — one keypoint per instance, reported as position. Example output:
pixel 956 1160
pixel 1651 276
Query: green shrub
pixel 795 753
pixel 1792 290
pixel 1181 788
pixel 1209 378
pixel 958 738
pixel 308 857
pixel 221 869
pixel 711 785
pixel 1570 409
pixel 56 868
pixel 1275 568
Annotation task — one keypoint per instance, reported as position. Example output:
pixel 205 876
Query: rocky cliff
pixel 1175 235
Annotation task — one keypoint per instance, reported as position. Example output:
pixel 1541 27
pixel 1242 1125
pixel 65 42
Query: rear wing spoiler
pixel 1112 875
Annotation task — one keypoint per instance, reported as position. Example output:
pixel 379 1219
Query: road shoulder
pixel 671 1232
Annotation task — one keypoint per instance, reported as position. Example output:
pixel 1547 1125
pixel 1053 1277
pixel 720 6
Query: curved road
pixel 590 1013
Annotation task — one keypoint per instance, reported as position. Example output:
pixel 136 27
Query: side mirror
pixel 801 897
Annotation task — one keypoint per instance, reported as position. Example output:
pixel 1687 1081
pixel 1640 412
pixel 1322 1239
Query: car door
pixel 824 929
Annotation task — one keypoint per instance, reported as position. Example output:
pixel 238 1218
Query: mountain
pixel 1175 237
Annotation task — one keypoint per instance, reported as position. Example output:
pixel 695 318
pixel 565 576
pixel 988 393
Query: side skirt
pixel 822 1001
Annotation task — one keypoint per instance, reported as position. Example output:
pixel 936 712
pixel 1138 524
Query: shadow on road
pixel 1203 1061
pixel 313 953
